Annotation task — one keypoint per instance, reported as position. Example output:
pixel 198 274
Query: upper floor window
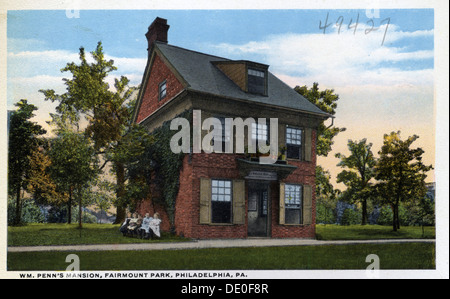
pixel 293 142
pixel 256 81
pixel 260 132
pixel 162 90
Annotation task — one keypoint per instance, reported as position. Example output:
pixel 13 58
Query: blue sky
pixel 385 78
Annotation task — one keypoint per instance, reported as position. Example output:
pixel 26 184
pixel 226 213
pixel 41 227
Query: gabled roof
pixel 201 75
pixel 198 70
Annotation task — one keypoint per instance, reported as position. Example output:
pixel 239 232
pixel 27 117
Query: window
pixel 256 81
pixel 260 131
pixel 293 204
pixel 221 199
pixel 293 142
pixel 162 90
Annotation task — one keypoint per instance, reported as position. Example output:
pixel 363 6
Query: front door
pixel 258 209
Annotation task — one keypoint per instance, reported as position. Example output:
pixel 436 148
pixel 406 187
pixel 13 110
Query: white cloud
pixel 343 59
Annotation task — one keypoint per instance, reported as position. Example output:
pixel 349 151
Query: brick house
pixel 231 195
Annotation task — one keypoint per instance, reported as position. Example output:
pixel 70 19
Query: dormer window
pixel 256 81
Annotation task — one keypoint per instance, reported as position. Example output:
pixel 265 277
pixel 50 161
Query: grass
pixel 69 234
pixel 65 234
pixel 372 232
pixel 326 257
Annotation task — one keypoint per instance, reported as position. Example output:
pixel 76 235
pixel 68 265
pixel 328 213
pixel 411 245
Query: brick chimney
pixel 157 31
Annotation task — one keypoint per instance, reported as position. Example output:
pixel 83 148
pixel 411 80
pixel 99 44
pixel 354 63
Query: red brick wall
pixel 225 166
pixel 150 100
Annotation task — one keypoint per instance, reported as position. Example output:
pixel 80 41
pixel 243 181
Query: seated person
pixel 123 228
pixel 145 227
pixel 154 224
pixel 134 222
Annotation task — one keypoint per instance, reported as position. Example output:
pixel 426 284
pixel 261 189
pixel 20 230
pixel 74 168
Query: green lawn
pixel 372 232
pixel 64 234
pixel 326 257
pixel 69 234
pixel 392 256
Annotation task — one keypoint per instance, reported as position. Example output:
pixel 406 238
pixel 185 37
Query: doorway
pixel 258 209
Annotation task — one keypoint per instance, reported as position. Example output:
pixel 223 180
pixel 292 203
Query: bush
pixel 325 215
pixel 350 217
pixel 31 212
pixel 386 216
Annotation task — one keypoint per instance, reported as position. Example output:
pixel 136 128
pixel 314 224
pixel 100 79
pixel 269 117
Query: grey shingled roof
pixel 199 72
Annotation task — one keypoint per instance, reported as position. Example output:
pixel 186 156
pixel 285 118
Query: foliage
pixel 107 110
pixel 74 165
pixel 166 165
pixel 31 212
pixel 400 173
pixel 41 184
pixel 350 217
pixel 23 141
pixel 326 197
pixel 357 173
pixel 326 100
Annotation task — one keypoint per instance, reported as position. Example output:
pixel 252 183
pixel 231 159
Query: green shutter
pixel 238 201
pixel 205 201
pixel 307 204
pixel 308 144
pixel 282 203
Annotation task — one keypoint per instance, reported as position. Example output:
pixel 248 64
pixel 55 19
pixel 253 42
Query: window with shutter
pixel 307 204
pixel 239 202
pixel 205 200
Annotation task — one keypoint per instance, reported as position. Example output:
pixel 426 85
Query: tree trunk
pixel 120 193
pixel 17 218
pixel 394 218
pixel 364 212
pixel 69 207
pixel 80 210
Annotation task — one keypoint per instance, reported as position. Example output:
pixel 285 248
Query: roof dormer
pixel 250 76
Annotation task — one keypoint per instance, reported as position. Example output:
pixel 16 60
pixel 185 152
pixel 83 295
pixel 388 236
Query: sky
pixel 381 63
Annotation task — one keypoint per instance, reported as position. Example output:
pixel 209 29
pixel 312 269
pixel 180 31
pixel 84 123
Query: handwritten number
pixel 385 31
pixel 350 26
pixel 339 23
pixel 326 24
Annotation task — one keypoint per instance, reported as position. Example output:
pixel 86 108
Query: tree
pixel 22 143
pixel 40 183
pixel 400 173
pixel 326 196
pixel 74 164
pixel 359 171
pixel 105 110
pixel 326 100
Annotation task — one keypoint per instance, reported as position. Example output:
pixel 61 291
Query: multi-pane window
pixel 293 204
pixel 256 81
pixel 293 142
pixel 260 131
pixel 162 90
pixel 221 199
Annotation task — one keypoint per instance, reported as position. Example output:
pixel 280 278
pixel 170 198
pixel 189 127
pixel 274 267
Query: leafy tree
pixel 359 171
pixel 326 100
pixel 23 141
pixel 400 173
pixel 106 110
pixel 326 197
pixel 74 165
pixel 40 183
